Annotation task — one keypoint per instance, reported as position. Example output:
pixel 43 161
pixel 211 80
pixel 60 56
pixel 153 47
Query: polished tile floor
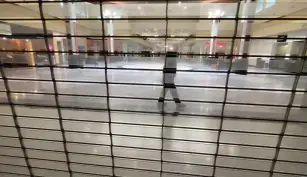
pixel 247 142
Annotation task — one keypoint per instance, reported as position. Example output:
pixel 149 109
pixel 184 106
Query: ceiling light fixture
pixel 139 7
pixel 185 7
pixel 210 14
pixel 217 14
pixel 107 13
pixel 4 38
pixel 179 2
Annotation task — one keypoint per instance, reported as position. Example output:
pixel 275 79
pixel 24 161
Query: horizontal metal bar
pixel 159 113
pixel 146 159
pixel 135 98
pixel 152 112
pixel 153 160
pixel 99 165
pixel 155 85
pixel 178 70
pixel 140 69
pixel 151 18
pixel 12 173
pixel 156 99
pixel 206 142
pixel 149 170
pixel 118 167
pixel 135 158
pixel 98 1
pixel 163 161
pixel 158 126
pixel 110 1
pixel 41 35
pixel 212 116
pixel 124 135
pixel 52 169
pixel 102 53
pixel 103 1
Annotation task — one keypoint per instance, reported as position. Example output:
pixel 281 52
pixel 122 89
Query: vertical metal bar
pixel 14 115
pixel 286 117
pixel 56 96
pixel 163 112
pixel 107 85
pixel 226 88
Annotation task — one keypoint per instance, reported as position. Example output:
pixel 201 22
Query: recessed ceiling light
pixel 107 13
pixel 4 38
pixel 27 39
pixel 139 7
pixel 179 2
pixel 185 7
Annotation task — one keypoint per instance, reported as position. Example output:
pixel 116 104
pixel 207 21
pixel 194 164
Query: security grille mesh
pixel 95 112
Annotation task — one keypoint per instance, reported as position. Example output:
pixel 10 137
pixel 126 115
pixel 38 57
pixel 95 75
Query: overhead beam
pixel 160 1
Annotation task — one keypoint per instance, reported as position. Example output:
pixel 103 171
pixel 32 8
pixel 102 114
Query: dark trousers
pixel 169 85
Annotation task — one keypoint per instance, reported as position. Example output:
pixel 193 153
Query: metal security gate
pixel 81 80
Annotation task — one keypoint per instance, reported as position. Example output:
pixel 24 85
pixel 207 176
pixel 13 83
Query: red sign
pixel 219 43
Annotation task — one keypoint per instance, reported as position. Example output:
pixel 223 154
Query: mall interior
pixel 131 32
pixel 81 85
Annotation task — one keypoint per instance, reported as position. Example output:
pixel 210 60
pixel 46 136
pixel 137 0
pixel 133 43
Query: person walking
pixel 169 75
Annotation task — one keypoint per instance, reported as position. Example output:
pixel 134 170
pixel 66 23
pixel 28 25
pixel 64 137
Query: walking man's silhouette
pixel 169 75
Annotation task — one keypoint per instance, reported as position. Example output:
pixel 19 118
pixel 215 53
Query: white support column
pixel 96 49
pixel 125 46
pixel 249 11
pixel 214 33
pixel 125 50
pixel 110 33
pixel 70 26
pixel 201 49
